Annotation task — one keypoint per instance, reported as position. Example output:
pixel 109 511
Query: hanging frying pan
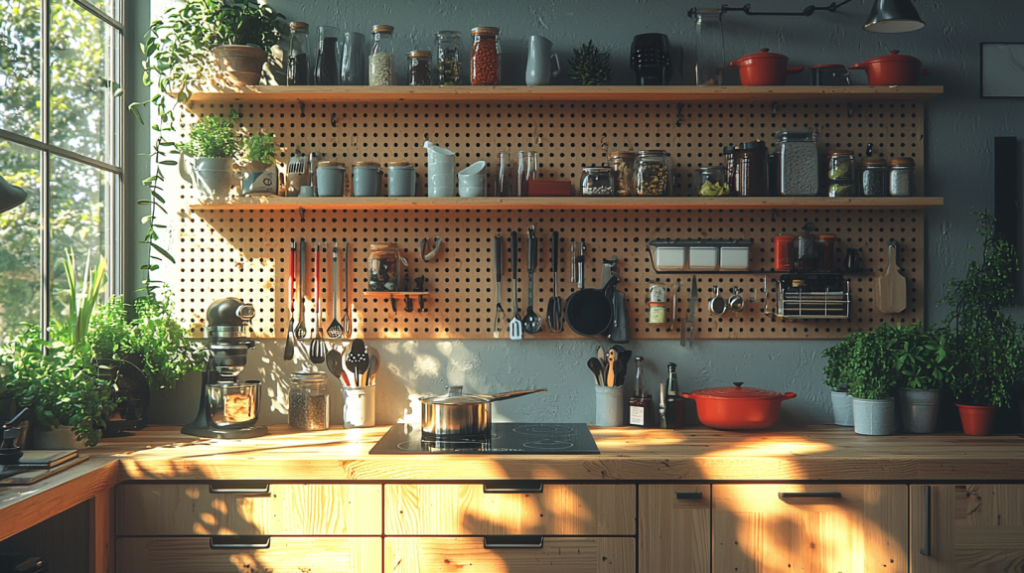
pixel 589 310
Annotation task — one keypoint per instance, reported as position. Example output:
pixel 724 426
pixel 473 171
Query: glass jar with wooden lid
pixel 873 176
pixel 485 58
pixel 385 266
pixel 419 68
pixel 901 177
pixel 382 57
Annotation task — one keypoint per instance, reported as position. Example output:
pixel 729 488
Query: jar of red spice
pixel 485 60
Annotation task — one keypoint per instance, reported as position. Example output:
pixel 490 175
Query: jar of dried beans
pixel 653 173
pixel 485 61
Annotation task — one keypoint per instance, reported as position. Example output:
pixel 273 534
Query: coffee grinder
pixel 228 407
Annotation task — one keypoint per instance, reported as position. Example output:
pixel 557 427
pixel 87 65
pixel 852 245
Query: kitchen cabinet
pixel 675 528
pixel 786 528
pixel 515 555
pixel 227 555
pixel 971 527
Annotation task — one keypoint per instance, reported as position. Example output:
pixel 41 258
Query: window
pixel 61 65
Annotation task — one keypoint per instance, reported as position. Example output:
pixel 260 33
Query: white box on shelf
pixel 703 258
pixel 735 258
pixel 670 258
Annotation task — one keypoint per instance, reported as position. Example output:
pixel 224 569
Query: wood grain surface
pixel 675 534
pixel 467 554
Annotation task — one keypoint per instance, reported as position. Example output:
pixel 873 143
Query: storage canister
pixel 901 177
pixel 597 182
pixel 419 68
pixel 385 267
pixel 783 253
pixel 485 60
pixel 382 57
pixel 401 179
pixel 841 173
pixel 874 177
pixel 308 401
pixel 798 163
pixel 624 168
pixel 712 181
pixel 366 177
pixel 751 169
pixel 449 58
pixel 653 173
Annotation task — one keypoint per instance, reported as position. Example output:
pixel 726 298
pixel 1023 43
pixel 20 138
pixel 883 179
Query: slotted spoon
pixel 335 330
pixel 318 347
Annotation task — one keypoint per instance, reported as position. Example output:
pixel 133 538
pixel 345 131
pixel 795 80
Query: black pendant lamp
pixel 893 17
pixel 10 196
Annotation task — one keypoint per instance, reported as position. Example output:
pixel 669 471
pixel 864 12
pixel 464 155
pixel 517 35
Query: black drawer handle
pixel 689 495
pixel 241 488
pixel 784 495
pixel 240 542
pixel 513 542
pixel 514 487
pixel 927 549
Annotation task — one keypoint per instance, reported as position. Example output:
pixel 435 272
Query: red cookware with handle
pixel 892 70
pixel 764 69
pixel 738 408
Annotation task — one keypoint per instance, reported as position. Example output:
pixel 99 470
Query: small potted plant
pixel 837 372
pixel 212 146
pixel 244 33
pixel 590 66
pixel 871 370
pixel 923 364
pixel 258 156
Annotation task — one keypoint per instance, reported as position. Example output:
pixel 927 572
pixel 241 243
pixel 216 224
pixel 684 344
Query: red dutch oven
pixel 892 70
pixel 738 408
pixel 764 69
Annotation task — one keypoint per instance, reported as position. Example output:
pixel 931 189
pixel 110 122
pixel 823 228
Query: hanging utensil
pixel 318 347
pixel 515 326
pixel 336 364
pixel 300 325
pixel 892 286
pixel 346 321
pixel 572 261
pixel 531 322
pixel 588 310
pixel 289 344
pixel 555 319
pixel 691 315
pixel 497 255
pixel 675 302
pixel 335 330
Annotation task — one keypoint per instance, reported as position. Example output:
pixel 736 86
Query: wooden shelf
pixel 629 94
pixel 564 203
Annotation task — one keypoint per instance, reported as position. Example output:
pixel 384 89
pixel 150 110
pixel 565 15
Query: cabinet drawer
pixel 519 509
pixel 548 555
pixel 820 527
pixel 675 528
pixel 274 509
pixel 191 554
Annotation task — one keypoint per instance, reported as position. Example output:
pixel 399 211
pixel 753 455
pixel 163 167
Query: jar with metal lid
pixel 750 169
pixel 841 173
pixel 798 163
pixel 385 266
pixel 308 401
pixel 419 68
pixel 382 57
pixel 449 58
pixel 712 181
pixel 653 173
pixel 597 182
pixel 624 167
pixel 874 180
pixel 901 177
pixel 485 59
pixel 298 54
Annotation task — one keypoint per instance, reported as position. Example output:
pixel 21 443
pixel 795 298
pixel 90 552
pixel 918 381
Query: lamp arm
pixel 805 12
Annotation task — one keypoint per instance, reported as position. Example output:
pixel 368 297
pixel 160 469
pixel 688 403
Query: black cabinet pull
pixel 689 495
pixel 241 488
pixel 525 486
pixel 240 542
pixel 513 542
pixel 927 549
pixel 784 495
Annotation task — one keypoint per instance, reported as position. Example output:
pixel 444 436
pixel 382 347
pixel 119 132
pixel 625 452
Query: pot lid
pixel 455 397
pixel 738 391
pixel 764 54
pixel 894 56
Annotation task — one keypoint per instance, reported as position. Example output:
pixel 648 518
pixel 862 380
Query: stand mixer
pixel 228 407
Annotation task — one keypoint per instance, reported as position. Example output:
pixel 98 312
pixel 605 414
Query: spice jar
pixel 842 182
pixel 419 68
pixel 653 173
pixel 298 50
pixel 805 247
pixel 597 182
pixel 827 259
pixel 308 401
pixel 712 181
pixel 783 253
pixel 485 60
pixel 624 168
pixel 657 313
pixel 750 169
pixel 901 177
pixel 385 267
pixel 382 57
pixel 874 182
pixel 449 58
pixel 798 163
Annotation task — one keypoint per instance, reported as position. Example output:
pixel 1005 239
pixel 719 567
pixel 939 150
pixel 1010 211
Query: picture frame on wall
pixel 1002 69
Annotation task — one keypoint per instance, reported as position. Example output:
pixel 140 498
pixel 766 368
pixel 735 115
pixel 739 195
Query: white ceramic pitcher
pixel 440 171
pixel 538 62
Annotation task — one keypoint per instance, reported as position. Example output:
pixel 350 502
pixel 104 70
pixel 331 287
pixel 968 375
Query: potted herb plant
pixel 871 370
pixel 590 66
pixel 245 31
pixel 258 154
pixel 923 365
pixel 985 344
pixel 837 371
pixel 212 145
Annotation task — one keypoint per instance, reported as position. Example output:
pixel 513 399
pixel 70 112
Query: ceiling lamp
pixel 893 17
pixel 10 196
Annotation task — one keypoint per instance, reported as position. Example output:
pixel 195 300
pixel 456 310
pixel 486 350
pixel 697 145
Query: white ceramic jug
pixel 538 62
pixel 440 171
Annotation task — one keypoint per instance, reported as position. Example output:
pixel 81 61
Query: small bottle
pixel 382 57
pixel 672 404
pixel 642 411
pixel 503 183
pixel 298 60
pixel 527 171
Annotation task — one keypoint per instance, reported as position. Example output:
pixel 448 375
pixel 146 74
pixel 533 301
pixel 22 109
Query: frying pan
pixel 589 310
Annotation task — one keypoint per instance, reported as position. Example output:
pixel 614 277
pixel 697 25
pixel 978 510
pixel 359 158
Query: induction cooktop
pixel 506 438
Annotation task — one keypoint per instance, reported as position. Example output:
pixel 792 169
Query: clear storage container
pixel 308 401
pixel 874 177
pixel 624 168
pixel 597 182
pixel 901 177
pixel 382 57
pixel 841 173
pixel 653 173
pixel 385 266
pixel 449 58
pixel 798 163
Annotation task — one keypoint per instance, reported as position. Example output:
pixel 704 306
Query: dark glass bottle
pixel 328 57
pixel 671 405
pixel 642 409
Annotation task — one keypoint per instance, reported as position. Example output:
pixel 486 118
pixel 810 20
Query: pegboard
pixel 243 250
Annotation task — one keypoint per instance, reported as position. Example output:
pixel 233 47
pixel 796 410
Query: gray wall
pixel 960 128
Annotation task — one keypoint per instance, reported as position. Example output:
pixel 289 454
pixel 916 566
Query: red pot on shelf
pixel 738 408
pixel 977 420
pixel 892 70
pixel 764 69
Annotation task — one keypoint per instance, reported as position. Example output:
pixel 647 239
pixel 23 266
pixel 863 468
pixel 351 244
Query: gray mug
pixel 330 179
pixel 401 181
pixel 366 180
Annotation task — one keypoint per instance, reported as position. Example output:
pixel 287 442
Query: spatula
pixel 891 286
pixel 515 326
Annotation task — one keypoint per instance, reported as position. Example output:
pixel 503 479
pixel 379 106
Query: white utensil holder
pixel 360 408
pixel 609 406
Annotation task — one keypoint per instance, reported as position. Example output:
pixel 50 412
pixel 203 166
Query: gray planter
pixel 59 438
pixel 842 408
pixel 919 410
pixel 874 417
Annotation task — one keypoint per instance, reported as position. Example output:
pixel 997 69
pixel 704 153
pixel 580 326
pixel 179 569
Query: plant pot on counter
pixel 977 420
pixel 874 417
pixel 59 438
pixel 132 390
pixel 842 408
pixel 919 410
pixel 242 65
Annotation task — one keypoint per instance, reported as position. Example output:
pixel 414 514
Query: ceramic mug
pixel 538 62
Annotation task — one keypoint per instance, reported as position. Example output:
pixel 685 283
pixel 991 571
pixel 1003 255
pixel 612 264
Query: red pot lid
pixel 738 391
pixel 894 56
pixel 764 54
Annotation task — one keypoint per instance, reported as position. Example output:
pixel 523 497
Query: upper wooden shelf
pixel 562 203
pixel 436 94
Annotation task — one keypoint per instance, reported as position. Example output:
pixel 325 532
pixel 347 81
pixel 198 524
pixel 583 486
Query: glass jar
pixel 527 171
pixel 798 163
pixel 783 253
pixel 806 251
pixel 353 60
pixel 827 259
pixel 709 52
pixel 503 182
pixel 382 57
pixel 597 182
pixel 712 181
pixel 653 173
pixel 419 68
pixel 298 60
pixel 328 57
pixel 874 182
pixel 750 169
pixel 901 177
pixel 449 58
pixel 385 267
pixel 624 167
pixel 308 401
pixel 841 173
pixel 485 60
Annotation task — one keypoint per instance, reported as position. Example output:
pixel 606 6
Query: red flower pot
pixel 977 420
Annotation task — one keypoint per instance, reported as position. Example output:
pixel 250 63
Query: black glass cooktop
pixel 506 438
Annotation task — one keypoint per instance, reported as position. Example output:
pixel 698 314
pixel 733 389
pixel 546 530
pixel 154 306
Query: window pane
pixel 19 242
pixel 80 80
pixel 19 67
pixel 76 222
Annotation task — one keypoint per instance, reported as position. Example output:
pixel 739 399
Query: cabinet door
pixel 510 555
pixel 675 528
pixel 961 528
pixel 227 555
pixel 786 528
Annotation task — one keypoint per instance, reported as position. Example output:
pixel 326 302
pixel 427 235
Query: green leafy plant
pixel 242 22
pixel 922 359
pixel 211 136
pixel 590 66
pixel 870 368
pixel 837 368
pixel 259 148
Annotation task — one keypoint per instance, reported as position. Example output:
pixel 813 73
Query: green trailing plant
pixel 590 66
pixel 922 358
pixel 870 364
pixel 211 136
pixel 259 148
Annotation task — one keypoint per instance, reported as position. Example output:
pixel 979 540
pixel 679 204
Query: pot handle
pixel 788 396
pixel 736 63
pixel 690 396
pixel 860 66
pixel 516 394
pixel 794 69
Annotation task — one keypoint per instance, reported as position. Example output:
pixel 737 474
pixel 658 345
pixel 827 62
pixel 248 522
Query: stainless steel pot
pixel 461 415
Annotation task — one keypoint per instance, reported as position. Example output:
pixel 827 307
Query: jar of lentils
pixel 597 182
pixel 653 173
pixel 308 401
pixel 901 177
pixel 419 68
pixel 873 177
pixel 624 170
pixel 485 60
pixel 385 267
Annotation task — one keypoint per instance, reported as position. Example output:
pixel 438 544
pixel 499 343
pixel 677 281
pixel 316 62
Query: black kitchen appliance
pixel 506 438
pixel 228 408
pixel 650 59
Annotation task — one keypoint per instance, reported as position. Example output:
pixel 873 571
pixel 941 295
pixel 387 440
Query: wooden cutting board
pixel 891 287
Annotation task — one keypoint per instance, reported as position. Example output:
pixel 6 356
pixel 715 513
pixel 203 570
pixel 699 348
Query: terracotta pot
pixel 242 65
pixel 764 69
pixel 892 70
pixel 977 420
pixel 738 408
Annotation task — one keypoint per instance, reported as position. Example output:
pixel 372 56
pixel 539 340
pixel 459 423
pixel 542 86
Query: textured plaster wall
pixel 960 128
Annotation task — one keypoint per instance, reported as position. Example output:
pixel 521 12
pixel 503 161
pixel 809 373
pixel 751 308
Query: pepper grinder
pixel 10 453
pixel 642 411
